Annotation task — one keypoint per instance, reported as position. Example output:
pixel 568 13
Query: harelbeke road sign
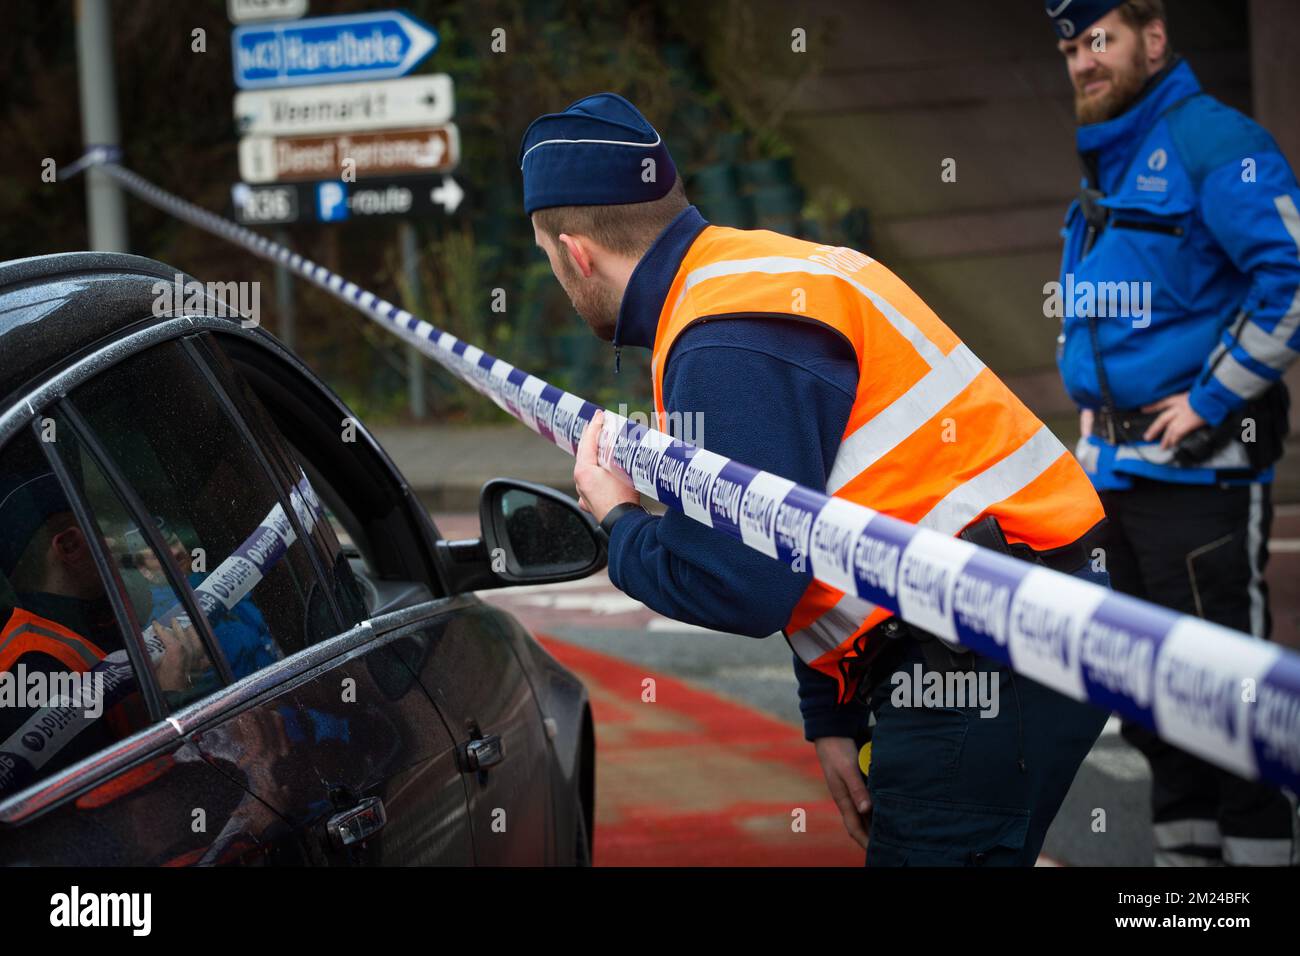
pixel 366 46
pixel 346 107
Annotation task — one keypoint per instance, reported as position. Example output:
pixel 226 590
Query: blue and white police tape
pixel 1221 694
pixel 105 685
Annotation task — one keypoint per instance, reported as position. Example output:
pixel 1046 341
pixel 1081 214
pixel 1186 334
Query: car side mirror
pixel 539 534
pixel 532 534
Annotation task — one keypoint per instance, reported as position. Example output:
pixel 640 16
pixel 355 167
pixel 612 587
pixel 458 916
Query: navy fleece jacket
pixel 771 393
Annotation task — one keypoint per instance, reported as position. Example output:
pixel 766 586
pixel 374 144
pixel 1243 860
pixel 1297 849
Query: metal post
pixel 414 360
pixel 284 295
pixel 105 207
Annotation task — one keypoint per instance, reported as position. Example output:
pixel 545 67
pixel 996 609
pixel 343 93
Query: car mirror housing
pixel 532 534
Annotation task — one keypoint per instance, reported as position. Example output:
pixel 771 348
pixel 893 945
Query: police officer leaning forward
pixel 1189 206
pixel 818 364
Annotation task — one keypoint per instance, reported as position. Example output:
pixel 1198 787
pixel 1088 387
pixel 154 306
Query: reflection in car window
pixel 170 437
pixel 184 670
pixel 57 630
pixel 317 518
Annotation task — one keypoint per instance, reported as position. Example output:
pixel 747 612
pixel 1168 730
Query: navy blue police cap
pixel 27 501
pixel 1072 17
pixel 594 154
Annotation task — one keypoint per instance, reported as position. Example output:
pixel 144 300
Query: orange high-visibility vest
pixel 933 437
pixel 28 633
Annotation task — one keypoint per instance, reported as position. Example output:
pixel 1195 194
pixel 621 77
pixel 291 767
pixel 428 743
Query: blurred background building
pixel 842 143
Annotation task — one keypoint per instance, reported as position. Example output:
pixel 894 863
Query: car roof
pixel 54 308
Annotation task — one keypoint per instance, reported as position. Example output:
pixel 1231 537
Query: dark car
pixel 228 631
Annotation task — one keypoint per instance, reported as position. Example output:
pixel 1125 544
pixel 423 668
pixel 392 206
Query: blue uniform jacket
pixel 1203 238
pixel 769 393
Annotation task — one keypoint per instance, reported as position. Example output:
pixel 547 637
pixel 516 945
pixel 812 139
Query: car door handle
pixel 354 825
pixel 484 752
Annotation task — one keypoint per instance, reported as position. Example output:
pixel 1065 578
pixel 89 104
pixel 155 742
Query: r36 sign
pixel 265 204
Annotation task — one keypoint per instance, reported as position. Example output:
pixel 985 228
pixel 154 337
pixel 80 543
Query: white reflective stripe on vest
pixel 886 430
pixel 829 631
pixel 953 512
pixel 996 483
pixel 778 265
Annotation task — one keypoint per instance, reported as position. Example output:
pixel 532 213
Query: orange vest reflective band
pixel 933 437
pixel 28 633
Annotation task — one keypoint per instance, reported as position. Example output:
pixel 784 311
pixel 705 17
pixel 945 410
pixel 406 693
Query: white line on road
pixel 601 582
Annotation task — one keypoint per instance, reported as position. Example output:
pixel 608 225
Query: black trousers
pixel 1201 549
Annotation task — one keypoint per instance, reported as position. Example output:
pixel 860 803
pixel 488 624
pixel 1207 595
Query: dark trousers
pixel 951 787
pixel 1201 550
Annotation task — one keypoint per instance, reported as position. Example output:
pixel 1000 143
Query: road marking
pixel 547 588
pixel 681 627
pixel 785 675
pixel 600 604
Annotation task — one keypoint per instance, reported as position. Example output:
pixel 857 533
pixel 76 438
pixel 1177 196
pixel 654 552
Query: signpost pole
pixel 284 295
pixel 105 207
pixel 414 360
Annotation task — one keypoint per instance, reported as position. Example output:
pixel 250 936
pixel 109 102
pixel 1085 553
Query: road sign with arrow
pixel 265 159
pixel 366 46
pixel 336 201
pixel 387 104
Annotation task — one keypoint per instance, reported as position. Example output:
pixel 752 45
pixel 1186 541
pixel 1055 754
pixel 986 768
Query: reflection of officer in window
pixel 1190 205
pixel 62 620
pixel 241 631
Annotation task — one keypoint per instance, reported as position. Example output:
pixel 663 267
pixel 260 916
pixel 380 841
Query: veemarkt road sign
pixel 424 100
pixel 366 46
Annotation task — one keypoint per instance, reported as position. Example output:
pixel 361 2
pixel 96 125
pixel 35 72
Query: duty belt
pixel 1122 425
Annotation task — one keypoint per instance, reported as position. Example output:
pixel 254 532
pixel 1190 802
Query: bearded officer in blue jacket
pixel 1179 298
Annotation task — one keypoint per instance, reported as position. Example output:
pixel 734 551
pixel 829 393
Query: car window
pixel 317 517
pixel 183 667
pixel 161 426
pixel 377 523
pixel 68 687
